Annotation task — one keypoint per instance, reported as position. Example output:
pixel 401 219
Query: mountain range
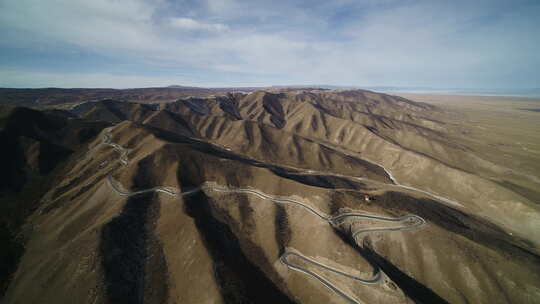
pixel 297 195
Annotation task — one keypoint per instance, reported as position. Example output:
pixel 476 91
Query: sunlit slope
pixel 354 133
pixel 411 140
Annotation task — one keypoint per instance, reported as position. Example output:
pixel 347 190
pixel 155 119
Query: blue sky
pixel 141 43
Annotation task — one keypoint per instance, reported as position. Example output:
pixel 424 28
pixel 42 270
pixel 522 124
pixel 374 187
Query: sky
pixel 215 43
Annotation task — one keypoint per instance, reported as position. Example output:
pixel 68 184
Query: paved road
pixel 394 181
pixel 392 178
pixel 107 141
pixel 410 221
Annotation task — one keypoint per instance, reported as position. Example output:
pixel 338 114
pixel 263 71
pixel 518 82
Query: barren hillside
pixel 276 196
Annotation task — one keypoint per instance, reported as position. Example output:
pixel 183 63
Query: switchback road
pixel 409 221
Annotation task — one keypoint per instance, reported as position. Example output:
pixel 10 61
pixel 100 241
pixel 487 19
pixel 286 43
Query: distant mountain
pixel 42 98
pixel 47 97
pixel 174 86
pixel 320 86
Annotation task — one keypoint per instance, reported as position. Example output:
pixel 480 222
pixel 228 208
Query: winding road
pixel 409 221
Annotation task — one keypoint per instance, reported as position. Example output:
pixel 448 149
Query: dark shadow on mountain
pixel 319 180
pixel 418 292
pixel 240 281
pixel 128 244
pixel 415 290
pixel 530 194
pixel 456 221
pixel 123 250
pixel 283 230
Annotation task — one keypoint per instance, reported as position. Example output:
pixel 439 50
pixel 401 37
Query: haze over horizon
pixel 138 43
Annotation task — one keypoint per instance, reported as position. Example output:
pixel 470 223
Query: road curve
pixel 378 278
pixel 107 140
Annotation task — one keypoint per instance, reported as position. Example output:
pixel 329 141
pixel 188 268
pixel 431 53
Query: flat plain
pixel 506 129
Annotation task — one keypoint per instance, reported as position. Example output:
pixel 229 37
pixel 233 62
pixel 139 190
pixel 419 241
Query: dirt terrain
pixel 274 196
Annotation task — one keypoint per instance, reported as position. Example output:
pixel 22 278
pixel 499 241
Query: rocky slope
pixel 285 193
pixel 34 146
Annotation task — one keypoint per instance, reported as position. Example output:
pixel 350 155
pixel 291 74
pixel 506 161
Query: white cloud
pixel 97 24
pixel 189 24
pixel 221 6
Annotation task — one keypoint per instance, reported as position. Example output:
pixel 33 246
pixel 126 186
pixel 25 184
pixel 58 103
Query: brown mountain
pixel 271 196
pixel 56 96
pixel 34 146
